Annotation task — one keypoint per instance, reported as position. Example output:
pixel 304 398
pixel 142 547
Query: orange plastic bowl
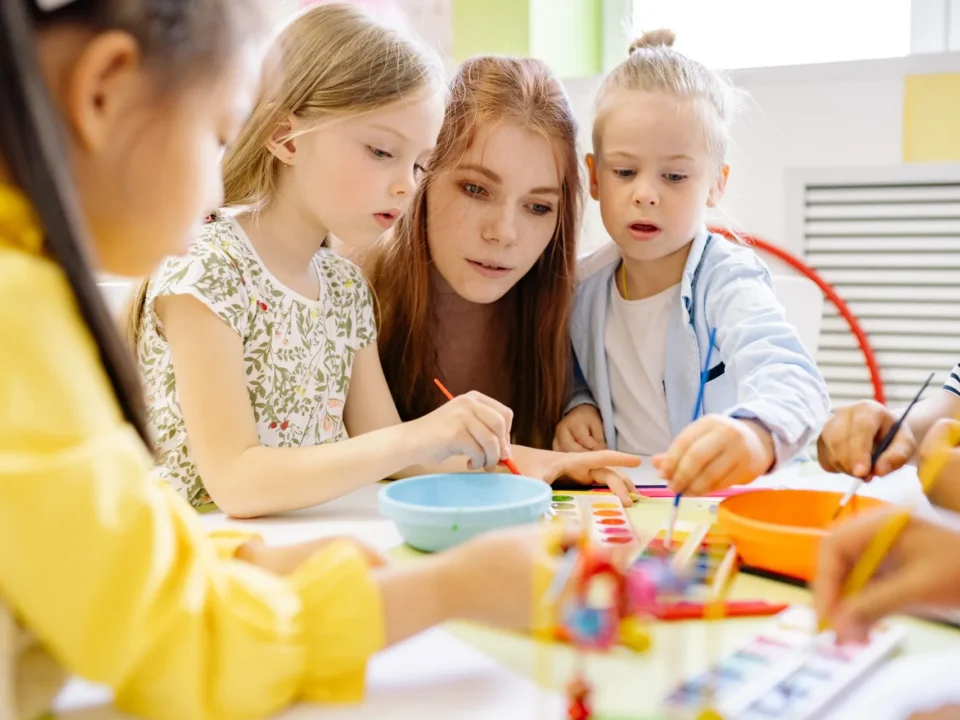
pixel 780 530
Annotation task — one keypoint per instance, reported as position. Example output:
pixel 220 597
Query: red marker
pixel 511 466
pixel 731 609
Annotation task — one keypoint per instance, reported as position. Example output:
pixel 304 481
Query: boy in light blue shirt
pixel 647 303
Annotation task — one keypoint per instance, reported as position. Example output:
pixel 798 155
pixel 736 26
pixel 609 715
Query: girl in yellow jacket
pixel 113 116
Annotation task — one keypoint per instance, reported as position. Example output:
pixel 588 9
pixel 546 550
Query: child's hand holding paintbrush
pixel 590 468
pixel 921 567
pixel 922 558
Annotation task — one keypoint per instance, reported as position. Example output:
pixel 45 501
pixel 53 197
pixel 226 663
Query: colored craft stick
pixel 875 552
pixel 510 465
pixel 731 608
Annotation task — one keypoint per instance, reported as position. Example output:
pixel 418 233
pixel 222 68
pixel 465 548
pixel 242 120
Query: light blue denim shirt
pixel 760 369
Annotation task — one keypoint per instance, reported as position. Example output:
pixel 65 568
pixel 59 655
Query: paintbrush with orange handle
pixel 510 465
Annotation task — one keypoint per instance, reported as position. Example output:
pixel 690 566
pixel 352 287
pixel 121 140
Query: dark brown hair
pixel 488 90
pixel 180 40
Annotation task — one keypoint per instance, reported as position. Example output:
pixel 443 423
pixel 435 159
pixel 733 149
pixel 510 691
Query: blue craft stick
pixel 704 376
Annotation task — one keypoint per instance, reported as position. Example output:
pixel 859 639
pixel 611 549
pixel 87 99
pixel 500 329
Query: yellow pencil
pixel 875 552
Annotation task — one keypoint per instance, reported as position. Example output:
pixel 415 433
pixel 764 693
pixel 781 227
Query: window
pixel 730 34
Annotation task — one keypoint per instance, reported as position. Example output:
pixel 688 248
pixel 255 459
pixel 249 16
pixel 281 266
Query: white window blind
pixel 888 240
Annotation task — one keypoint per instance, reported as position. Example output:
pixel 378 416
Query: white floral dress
pixel 297 353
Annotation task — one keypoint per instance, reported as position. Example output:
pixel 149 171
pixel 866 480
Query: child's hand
pixel 848 439
pixel 946 490
pixel 716 452
pixel 493 578
pixel 285 559
pixel 472 424
pixel 947 712
pixel 586 468
pixel 581 430
pixel 922 568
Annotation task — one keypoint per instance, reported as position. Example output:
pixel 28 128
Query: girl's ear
pixel 281 144
pixel 104 79
pixel 719 187
pixel 592 174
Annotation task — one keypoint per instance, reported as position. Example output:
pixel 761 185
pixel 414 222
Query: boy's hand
pixel 715 452
pixel 581 430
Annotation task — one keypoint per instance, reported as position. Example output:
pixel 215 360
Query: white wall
pixel 830 115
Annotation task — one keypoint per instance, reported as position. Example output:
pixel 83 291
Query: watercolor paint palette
pixel 785 672
pixel 710 557
pixel 602 515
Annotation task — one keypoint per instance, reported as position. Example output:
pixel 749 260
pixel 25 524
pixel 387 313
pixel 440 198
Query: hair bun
pixel 653 39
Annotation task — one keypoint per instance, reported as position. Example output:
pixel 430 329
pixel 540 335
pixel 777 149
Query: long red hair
pixel 488 90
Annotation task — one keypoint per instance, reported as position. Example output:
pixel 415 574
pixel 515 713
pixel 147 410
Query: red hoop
pixel 801 267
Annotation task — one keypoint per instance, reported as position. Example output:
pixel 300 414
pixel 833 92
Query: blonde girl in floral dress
pixel 258 347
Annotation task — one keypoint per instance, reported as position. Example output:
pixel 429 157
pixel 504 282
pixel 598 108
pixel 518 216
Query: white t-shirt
pixel 635 338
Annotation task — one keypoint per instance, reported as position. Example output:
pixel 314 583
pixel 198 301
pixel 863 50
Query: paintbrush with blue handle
pixel 704 377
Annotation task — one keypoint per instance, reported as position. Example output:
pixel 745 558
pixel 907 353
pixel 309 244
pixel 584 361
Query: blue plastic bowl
pixel 435 512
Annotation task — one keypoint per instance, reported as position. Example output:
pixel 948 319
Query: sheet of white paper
pixel 438 675
pixel 356 514
pixel 431 675
pixel 899 487
pixel 904 686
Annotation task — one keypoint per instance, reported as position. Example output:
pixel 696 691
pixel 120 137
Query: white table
pixel 439 675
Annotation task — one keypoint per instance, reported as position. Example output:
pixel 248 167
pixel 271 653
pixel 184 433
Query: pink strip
pixel 667 493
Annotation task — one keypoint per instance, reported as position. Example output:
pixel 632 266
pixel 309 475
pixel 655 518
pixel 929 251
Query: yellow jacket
pixel 108 576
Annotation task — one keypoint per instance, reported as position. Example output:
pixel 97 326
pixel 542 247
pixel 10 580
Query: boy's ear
pixel 719 187
pixel 281 144
pixel 592 173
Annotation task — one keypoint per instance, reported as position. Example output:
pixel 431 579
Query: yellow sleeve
pixel 228 540
pixel 114 573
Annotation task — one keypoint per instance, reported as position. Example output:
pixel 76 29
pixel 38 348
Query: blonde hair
pixel 335 61
pixel 654 66
pixel 331 61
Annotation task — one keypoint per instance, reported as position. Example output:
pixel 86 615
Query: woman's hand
pixel 585 468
